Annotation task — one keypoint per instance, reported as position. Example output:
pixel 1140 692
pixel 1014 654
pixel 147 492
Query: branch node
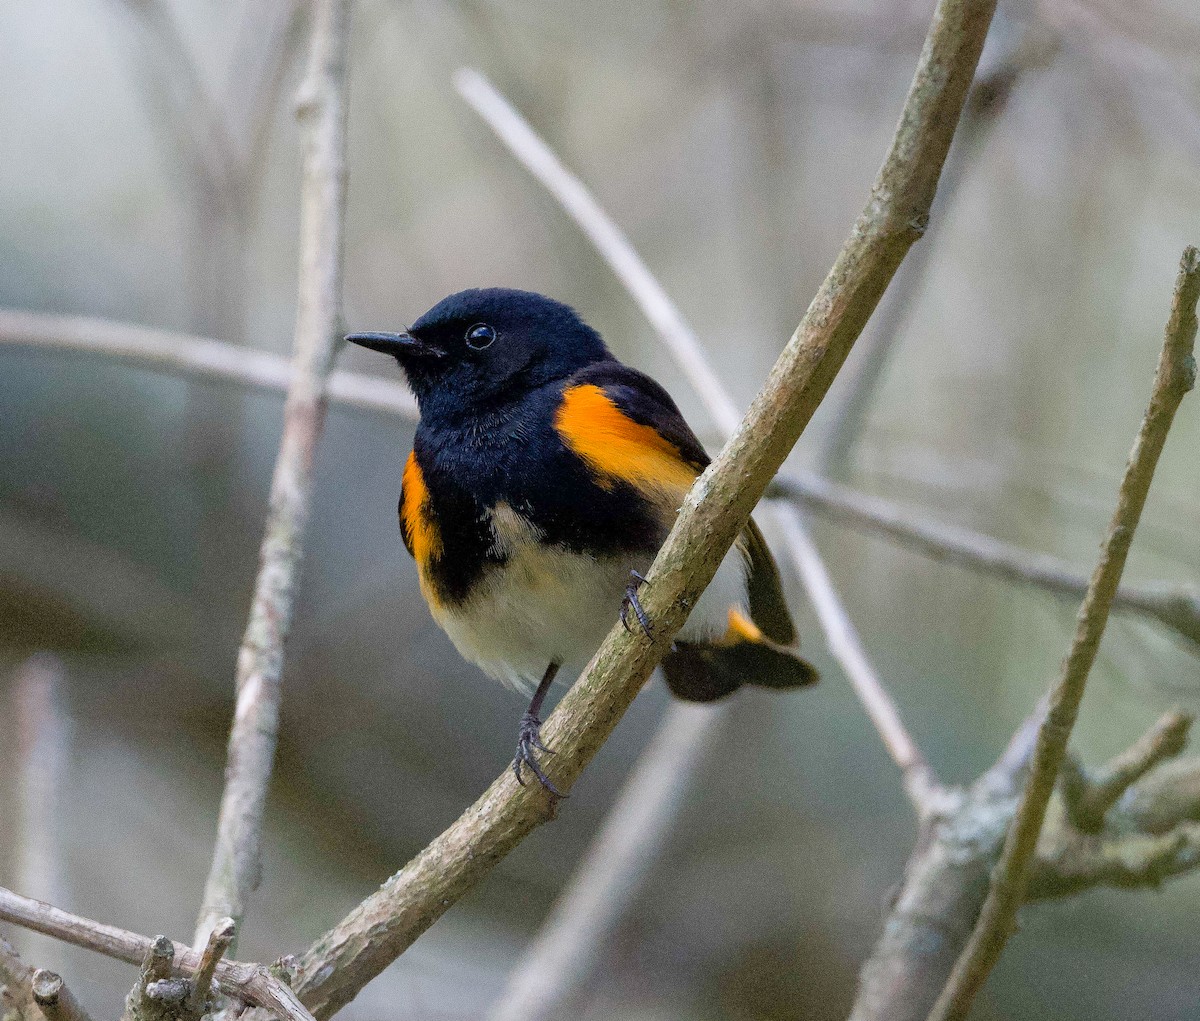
pixel 54 999
pixel 1089 794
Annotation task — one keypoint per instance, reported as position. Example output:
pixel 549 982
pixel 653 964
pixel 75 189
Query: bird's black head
pixel 479 350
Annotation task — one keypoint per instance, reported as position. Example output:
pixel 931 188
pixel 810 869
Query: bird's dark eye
pixel 480 336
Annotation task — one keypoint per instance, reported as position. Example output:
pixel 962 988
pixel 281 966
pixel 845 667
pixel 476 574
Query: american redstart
pixel 544 477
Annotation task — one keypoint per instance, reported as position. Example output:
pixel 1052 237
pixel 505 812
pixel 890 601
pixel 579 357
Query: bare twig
pixel 252 983
pixel 600 229
pixel 1175 606
pixel 322 107
pixel 1174 378
pixel 1069 862
pixel 382 926
pixel 190 357
pixel 157 963
pixel 1013 47
pixel 920 782
pixel 1087 842
pixel 56 1001
pixel 689 354
pixel 219 941
pixel 1089 794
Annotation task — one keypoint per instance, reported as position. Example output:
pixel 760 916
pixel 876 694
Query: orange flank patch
pixel 617 448
pixel 416 518
pixel 741 629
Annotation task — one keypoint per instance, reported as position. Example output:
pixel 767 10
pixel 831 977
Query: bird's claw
pixel 529 740
pixel 631 602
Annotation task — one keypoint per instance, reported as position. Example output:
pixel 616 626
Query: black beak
pixel 398 345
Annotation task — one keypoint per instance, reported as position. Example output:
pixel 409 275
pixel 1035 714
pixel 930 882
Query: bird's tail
pixel 706 672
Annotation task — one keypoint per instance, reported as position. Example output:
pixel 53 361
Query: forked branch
pixel 1175 376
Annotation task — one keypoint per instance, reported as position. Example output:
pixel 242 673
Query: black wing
pixel 647 403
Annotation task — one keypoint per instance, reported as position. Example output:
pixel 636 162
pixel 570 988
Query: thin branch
pixel 203 139
pixel 157 964
pixel 191 357
pixel 714 512
pixel 608 239
pixel 920 782
pixel 689 354
pixel 1087 842
pixel 1012 49
pixel 219 941
pixel 1073 862
pixel 1175 606
pixel 322 108
pixel 1089 794
pixel 1163 799
pixel 56 1001
pixel 1174 378
pixel 252 983
pixel 565 953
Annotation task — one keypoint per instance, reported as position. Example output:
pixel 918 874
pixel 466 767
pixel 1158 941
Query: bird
pixel 544 476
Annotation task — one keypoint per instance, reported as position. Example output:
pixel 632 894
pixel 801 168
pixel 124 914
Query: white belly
pixel 547 604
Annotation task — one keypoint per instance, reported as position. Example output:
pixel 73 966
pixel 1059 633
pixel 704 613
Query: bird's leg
pixel 630 602
pixel 529 737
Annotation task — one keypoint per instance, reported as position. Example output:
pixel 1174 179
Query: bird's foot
pixel 529 741
pixel 630 602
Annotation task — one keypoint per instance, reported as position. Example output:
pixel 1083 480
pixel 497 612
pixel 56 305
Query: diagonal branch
pixel 689 354
pixel 605 881
pixel 386 923
pixel 322 108
pixel 1174 378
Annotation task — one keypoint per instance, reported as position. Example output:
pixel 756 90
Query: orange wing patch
pixel 420 529
pixel 616 447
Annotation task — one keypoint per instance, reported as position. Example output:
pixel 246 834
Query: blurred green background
pixel 735 143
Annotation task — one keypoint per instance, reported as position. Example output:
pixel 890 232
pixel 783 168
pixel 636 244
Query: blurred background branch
pixel 321 106
pixel 44 736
